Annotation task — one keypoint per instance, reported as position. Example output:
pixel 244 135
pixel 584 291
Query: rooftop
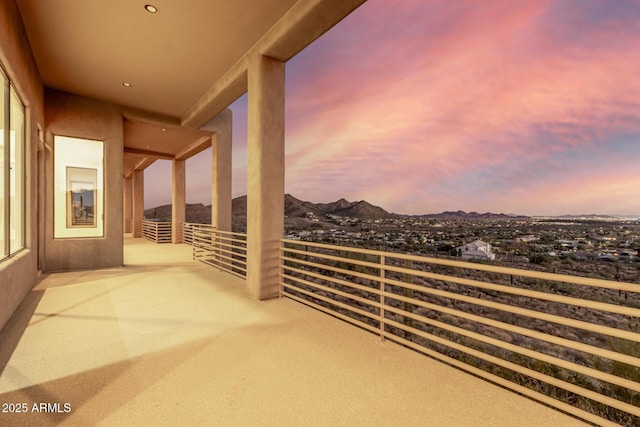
pixel 166 339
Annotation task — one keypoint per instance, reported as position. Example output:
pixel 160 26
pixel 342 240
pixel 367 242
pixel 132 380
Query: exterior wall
pixel 71 115
pixel 19 273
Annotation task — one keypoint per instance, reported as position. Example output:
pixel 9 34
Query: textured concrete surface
pixel 168 341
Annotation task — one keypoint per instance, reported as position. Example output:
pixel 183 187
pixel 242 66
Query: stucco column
pixel 265 181
pixel 178 200
pixel 221 170
pixel 138 202
pixel 128 204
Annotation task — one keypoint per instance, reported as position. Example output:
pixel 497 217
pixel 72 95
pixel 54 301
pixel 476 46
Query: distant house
pixel 478 250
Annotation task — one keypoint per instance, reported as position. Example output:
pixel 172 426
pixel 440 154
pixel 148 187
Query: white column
pixel 265 183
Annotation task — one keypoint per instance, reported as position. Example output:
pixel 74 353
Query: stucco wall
pixel 18 274
pixel 71 115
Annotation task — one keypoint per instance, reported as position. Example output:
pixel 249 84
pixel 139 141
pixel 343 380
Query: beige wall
pixel 71 115
pixel 19 273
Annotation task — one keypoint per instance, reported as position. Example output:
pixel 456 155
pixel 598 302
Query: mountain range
pixel 303 213
pixel 458 215
pixel 294 207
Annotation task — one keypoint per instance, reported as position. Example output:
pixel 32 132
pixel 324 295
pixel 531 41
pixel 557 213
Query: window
pixel 4 249
pixel 12 154
pixel 78 194
pixel 16 173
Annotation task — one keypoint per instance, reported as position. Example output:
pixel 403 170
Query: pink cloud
pixel 446 90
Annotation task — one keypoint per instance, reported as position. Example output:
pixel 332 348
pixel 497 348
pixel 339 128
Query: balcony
pixel 156 231
pixel 168 340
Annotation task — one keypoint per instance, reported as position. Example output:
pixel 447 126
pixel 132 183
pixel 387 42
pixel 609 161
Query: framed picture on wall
pixel 81 197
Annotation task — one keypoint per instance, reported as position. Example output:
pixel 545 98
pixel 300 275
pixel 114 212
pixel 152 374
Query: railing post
pixel 280 269
pixel 408 293
pixel 215 241
pixel 382 299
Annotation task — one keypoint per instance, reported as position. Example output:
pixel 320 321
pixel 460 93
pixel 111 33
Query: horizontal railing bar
pixel 596 305
pixel 202 234
pixel 370 264
pixel 331 279
pixel 335 269
pixel 499 306
pixel 594 373
pixel 332 301
pixel 574 345
pixel 232 233
pixel 587 281
pixel 229 260
pixel 569 365
pixel 230 245
pixel 223 269
pixel 214 258
pixel 624 310
pixel 331 312
pixel 228 239
pixel 592 327
pixel 360 299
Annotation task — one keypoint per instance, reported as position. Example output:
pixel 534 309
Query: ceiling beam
pixel 141 165
pixel 304 23
pixel 161 120
pixel 144 163
pixel 147 153
pixel 223 93
pixel 200 145
pixel 300 26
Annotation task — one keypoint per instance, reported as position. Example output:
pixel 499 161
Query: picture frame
pixel 81 189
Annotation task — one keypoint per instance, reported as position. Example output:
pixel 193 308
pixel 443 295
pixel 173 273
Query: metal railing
pixel 187 233
pixel 569 342
pixel 159 232
pixel 225 250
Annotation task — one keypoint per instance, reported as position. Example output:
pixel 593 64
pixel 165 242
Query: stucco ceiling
pixel 170 58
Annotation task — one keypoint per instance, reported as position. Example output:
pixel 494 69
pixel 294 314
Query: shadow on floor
pixel 89 397
pixel 12 332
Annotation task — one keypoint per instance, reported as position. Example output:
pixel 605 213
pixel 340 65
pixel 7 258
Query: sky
pixel 422 106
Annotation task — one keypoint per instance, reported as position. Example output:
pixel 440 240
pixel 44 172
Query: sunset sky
pixel 528 107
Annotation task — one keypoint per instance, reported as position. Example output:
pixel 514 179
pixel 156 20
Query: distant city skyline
pixel 529 107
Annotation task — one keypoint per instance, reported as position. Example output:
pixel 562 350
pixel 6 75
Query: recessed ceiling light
pixel 148 146
pixel 151 8
pixel 126 84
pixel 164 130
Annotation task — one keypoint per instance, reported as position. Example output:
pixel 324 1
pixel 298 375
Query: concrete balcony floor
pixel 169 341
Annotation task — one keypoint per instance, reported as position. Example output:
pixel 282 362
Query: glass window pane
pixel 3 89
pixel 16 175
